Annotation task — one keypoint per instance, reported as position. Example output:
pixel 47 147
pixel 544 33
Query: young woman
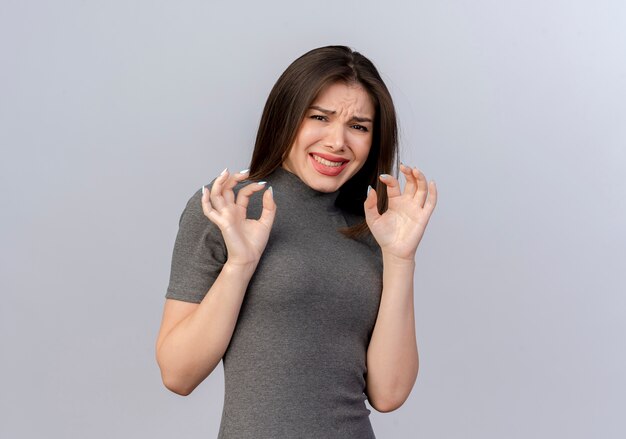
pixel 305 292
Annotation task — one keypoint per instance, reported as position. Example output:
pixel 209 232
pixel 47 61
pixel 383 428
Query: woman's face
pixel 334 138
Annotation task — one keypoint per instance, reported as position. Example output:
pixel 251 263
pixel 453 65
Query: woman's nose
pixel 336 137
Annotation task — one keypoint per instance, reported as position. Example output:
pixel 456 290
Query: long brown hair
pixel 290 98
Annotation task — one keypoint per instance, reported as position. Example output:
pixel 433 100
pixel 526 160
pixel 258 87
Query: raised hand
pixel 399 230
pixel 245 238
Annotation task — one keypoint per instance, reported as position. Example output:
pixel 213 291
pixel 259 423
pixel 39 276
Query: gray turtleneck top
pixel 296 364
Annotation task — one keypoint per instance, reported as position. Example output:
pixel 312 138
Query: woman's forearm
pixel 195 346
pixel 392 359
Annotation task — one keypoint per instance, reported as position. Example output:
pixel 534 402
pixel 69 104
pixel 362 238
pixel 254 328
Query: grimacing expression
pixel 334 138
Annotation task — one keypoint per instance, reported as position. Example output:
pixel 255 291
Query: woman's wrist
pixel 391 260
pixel 244 269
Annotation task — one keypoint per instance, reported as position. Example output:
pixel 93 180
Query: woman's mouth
pixel 327 167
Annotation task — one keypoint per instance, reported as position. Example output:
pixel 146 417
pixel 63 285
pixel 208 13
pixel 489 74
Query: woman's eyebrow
pixel 325 111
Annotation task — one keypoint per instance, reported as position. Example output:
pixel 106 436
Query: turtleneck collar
pixel 285 180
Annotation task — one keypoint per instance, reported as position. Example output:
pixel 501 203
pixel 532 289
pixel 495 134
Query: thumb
pixel 371 206
pixel 269 208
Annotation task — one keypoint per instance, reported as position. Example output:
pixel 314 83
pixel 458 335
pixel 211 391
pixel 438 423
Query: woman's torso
pixel 296 363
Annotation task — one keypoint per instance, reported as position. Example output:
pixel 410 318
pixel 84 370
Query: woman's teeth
pixel 326 162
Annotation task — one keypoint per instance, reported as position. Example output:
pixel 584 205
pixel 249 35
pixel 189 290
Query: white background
pixel 113 113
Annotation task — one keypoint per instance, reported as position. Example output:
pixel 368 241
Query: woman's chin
pixel 324 183
pixel 326 187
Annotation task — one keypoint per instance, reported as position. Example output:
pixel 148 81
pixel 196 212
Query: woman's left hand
pixel 399 230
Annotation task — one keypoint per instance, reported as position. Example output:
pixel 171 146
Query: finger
pixel 431 202
pixel 204 201
pixel 269 208
pixel 207 209
pixel 422 187
pixel 392 183
pixel 216 197
pixel 411 181
pixel 230 183
pixel 244 194
pixel 370 206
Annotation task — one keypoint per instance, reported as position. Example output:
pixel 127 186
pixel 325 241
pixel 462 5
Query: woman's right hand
pixel 245 238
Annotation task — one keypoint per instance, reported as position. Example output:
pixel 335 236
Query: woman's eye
pixel 318 117
pixel 360 128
